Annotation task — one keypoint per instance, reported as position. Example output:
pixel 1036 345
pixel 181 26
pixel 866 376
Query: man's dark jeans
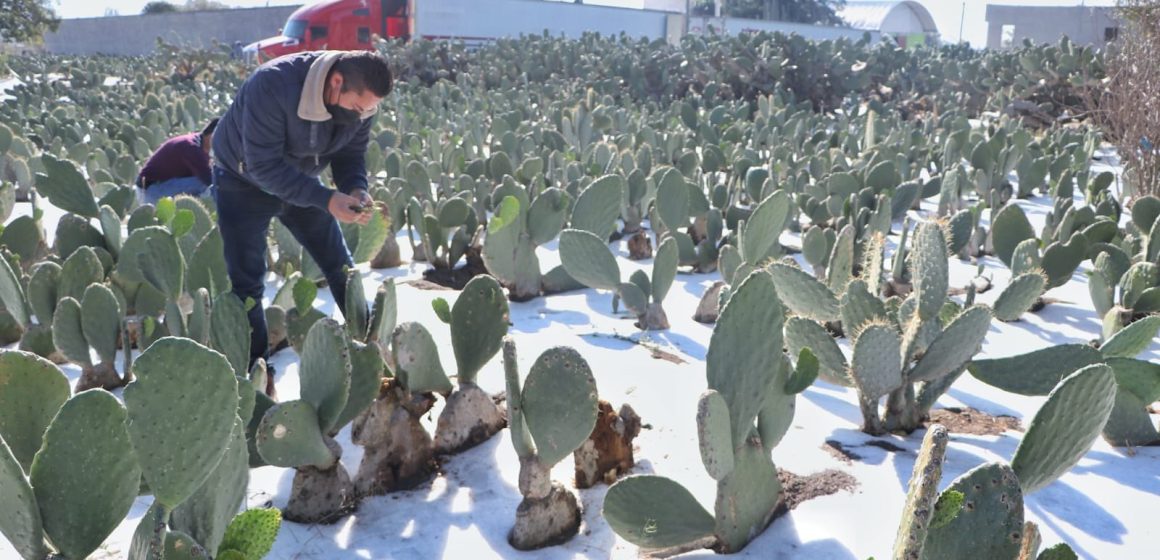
pixel 244 214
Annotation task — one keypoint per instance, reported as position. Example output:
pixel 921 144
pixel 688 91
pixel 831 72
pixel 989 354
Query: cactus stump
pixel 607 453
pixel 471 417
pixel 640 246
pixel 398 450
pixel 100 376
pixel 546 521
pixel 321 495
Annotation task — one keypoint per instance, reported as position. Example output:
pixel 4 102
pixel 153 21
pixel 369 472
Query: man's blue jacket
pixel 278 135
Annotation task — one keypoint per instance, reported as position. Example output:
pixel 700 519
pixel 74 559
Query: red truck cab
pixel 345 25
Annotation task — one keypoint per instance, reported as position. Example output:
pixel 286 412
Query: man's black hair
pixel 364 70
pixel 209 128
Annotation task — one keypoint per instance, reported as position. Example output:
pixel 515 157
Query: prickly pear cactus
pixel 921 495
pixel 655 512
pixel 588 260
pixel 85 476
pixel 1065 427
pixel 803 294
pixel 990 524
pixel 21 523
pixel 325 371
pixel 178 379
pixel 559 403
pixel 33 391
pixel 1019 296
pixel 479 321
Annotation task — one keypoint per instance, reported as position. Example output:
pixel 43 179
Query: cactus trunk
pixel 545 521
pixel 321 495
pixel 922 495
pixel 100 376
pixel 388 256
pixel 470 418
pixel 398 450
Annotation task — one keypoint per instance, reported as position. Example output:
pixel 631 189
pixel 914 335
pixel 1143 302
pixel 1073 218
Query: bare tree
pixel 1128 107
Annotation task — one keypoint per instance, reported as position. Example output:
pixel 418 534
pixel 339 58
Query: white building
pixel 907 22
pixel 1008 26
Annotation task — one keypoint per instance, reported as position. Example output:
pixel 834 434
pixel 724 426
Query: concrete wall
pixel 1047 24
pixel 137 35
pixel 732 26
pixel 482 20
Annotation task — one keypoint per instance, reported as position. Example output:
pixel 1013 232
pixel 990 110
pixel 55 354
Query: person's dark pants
pixel 244 214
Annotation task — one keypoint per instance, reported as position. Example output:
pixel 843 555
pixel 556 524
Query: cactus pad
pixel 20 523
pixel 252 533
pixel 746 498
pixel 763 227
pixel 664 269
pixel 930 269
pixel 207 513
pixel 11 293
pixel 1132 339
pixel 961 340
pixel 859 307
pixel 1019 296
pixel 289 436
pixel 1034 373
pixel 417 360
pixel 715 434
pixel 32 390
pixel 922 494
pixel 85 477
pixel 803 294
pixel 803 333
pixel 230 331
pixel 1065 426
pixel 1009 228
pixel 101 315
pixel 990 524
pixel 876 364
pixel 1026 257
pixel 42 291
pixel 655 512
pixel 841 265
pixel 598 206
pixel 588 260
pixel 68 334
pixel 736 364
pixel 182 408
pixel 325 371
pixel 356 312
pixel 479 321
pixel 559 403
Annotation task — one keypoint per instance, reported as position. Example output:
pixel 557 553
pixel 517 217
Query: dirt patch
pixel 457 278
pixel 425 285
pixel 974 422
pixel 796 490
pixel 840 452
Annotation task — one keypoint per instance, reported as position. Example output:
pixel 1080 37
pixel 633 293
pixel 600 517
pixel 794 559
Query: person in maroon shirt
pixel 180 166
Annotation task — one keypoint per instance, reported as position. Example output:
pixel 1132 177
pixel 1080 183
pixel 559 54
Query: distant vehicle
pixel 352 24
pixel 337 25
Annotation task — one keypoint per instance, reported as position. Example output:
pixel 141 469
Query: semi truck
pixel 353 24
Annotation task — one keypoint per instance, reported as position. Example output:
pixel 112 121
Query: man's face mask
pixel 342 115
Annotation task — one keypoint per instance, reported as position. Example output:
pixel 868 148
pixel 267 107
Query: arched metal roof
pixel 877 15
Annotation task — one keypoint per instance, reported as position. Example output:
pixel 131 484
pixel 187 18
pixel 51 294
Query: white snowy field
pixel 1104 508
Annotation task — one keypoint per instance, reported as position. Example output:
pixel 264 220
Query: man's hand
pixel 346 208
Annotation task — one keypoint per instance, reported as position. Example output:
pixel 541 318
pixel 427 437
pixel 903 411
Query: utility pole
pixel 962 18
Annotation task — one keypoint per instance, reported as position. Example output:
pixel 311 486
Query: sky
pixel 947 13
